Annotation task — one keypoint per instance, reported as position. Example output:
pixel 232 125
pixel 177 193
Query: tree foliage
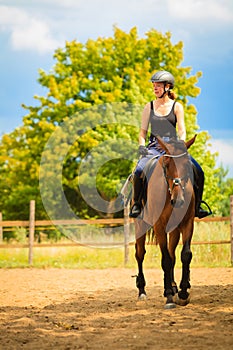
pixel 100 72
pixel 226 188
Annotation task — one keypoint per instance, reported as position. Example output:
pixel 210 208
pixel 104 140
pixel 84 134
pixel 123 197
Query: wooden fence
pixel 32 224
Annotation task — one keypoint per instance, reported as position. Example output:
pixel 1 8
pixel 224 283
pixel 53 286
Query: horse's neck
pixel 158 174
pixel 159 184
pixel 157 194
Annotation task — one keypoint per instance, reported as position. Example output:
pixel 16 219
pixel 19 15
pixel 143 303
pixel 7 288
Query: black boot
pixel 137 192
pixel 198 190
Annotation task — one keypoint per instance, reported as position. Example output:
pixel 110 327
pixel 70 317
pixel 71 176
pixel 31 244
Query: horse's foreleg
pixel 167 266
pixel 186 257
pixel 174 238
pixel 140 252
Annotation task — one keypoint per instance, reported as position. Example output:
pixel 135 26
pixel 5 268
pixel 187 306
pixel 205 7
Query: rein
pixel 175 156
pixel 176 181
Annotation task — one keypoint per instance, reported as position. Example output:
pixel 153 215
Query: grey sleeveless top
pixel 164 126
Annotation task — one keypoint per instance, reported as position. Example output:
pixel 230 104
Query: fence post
pixel 126 233
pixel 31 231
pixel 231 225
pixel 1 230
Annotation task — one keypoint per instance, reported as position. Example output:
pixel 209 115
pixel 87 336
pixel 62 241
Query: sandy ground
pixel 98 309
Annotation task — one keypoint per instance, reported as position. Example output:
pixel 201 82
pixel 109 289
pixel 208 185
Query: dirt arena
pixel 98 309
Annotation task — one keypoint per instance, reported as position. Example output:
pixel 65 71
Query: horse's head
pixel 177 169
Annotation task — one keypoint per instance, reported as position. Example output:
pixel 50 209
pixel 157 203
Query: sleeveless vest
pixel 163 126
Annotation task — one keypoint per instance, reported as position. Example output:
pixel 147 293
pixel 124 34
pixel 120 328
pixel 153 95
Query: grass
pixel 208 255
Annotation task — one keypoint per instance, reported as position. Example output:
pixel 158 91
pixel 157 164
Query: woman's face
pixel 158 88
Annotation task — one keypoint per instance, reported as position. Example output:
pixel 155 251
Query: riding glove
pixel 143 151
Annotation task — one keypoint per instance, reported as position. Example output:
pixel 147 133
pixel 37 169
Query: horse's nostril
pixel 181 203
pixel 177 203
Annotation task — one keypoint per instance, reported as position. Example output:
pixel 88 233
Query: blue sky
pixel 30 31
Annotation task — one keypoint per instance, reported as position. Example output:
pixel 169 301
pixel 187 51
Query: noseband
pixel 176 181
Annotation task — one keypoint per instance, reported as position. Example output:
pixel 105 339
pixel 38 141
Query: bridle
pixel 176 181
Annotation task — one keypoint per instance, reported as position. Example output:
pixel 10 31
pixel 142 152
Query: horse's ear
pixel 190 142
pixel 162 144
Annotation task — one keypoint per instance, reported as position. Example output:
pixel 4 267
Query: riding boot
pixel 137 192
pixel 198 190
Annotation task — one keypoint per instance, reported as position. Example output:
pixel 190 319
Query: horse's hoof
pixel 169 306
pixel 182 302
pixel 142 297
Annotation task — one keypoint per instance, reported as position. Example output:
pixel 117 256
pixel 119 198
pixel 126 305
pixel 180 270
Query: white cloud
pixel 225 153
pixel 61 3
pixel 199 10
pixel 44 25
pixel 26 31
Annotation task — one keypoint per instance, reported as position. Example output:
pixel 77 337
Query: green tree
pixel 98 73
pixel 226 187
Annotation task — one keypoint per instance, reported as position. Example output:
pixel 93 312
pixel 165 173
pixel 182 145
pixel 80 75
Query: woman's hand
pixel 143 151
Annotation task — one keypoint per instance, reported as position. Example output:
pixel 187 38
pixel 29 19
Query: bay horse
pixel 169 210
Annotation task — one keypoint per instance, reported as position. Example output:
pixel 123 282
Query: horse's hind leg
pixel 140 252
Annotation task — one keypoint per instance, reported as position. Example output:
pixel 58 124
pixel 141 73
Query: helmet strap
pixel 164 92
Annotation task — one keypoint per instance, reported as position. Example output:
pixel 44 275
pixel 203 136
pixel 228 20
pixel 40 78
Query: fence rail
pixel 32 224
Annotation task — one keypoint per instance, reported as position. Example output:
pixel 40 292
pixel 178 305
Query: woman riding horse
pixel 164 115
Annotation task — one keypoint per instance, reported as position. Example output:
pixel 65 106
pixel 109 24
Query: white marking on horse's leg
pixel 142 297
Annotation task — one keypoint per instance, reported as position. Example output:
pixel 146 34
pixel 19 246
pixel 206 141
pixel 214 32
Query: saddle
pixel 146 174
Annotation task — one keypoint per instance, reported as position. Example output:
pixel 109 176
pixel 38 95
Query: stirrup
pixel 202 213
pixel 135 210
